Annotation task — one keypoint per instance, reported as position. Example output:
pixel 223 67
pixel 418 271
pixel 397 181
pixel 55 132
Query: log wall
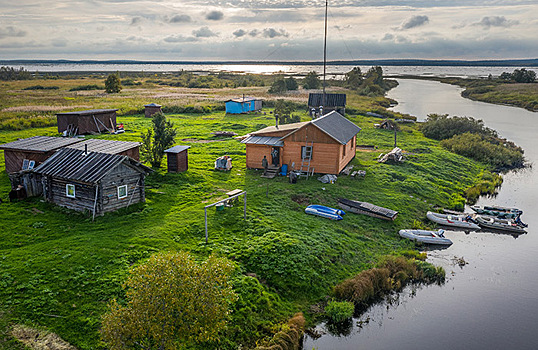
pixel 121 175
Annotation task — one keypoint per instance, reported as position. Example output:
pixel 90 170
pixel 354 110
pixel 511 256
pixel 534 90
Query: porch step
pixel 272 171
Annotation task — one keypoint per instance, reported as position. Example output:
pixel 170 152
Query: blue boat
pixel 325 212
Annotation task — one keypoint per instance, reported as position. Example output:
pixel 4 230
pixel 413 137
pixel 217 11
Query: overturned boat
pixel 425 236
pixel 500 224
pixel 460 221
pixel 325 212
pixel 366 208
pixel 501 212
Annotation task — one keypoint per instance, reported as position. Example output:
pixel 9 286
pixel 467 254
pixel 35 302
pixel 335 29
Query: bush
pixel 339 311
pixel 41 87
pixel 10 73
pixel 278 87
pixel 87 87
pixel 113 84
pixel 441 127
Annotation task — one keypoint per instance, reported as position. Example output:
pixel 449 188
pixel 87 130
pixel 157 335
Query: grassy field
pixel 58 269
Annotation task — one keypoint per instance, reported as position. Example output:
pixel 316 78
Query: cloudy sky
pixel 267 29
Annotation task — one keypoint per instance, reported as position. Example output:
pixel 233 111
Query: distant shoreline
pixel 384 62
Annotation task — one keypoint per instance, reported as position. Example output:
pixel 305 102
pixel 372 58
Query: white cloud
pixel 415 21
pixel 496 21
pixel 11 32
pixel 204 32
pixel 180 19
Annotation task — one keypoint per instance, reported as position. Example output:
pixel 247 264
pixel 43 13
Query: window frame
pixel 67 186
pixel 126 192
pixel 304 150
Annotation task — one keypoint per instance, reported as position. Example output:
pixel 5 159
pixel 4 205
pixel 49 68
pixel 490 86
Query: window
pixel 122 191
pixel 306 152
pixel 70 190
pixel 31 164
pixel 25 164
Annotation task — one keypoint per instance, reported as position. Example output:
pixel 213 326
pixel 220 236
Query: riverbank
pixel 59 269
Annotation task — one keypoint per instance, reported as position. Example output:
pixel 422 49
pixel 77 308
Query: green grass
pixel 58 269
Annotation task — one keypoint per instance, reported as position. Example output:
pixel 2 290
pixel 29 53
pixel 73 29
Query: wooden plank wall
pixel 351 148
pixel 84 194
pixel 133 153
pixel 121 175
pixel 324 156
pixel 255 155
pixel 14 159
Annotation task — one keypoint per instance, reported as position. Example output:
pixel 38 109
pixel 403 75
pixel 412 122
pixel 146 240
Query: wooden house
pixel 87 122
pixel 28 153
pixel 327 143
pixel 151 109
pixel 122 148
pixel 333 102
pixel 243 105
pixel 177 159
pixel 92 182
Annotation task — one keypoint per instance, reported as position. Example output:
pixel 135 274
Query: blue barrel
pixel 284 170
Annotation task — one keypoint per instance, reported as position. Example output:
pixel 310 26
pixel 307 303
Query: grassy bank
pixel 58 269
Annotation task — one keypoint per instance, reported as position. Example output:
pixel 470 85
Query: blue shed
pixel 243 105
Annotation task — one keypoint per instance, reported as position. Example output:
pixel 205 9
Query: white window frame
pixel 67 186
pixel 305 150
pixel 126 192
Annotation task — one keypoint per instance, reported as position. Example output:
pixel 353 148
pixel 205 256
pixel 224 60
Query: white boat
pixel 499 224
pixel 461 221
pixel 424 236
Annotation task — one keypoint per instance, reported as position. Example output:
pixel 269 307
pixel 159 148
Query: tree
pixel 113 83
pixel 291 83
pixel 278 87
pixel 171 302
pixel 311 81
pixel 284 110
pixel 156 140
pixel 353 78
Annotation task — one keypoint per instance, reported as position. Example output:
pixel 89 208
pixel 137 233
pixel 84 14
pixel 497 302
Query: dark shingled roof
pixel 39 144
pixel 89 112
pixel 105 146
pixel 332 100
pixel 76 165
pixel 337 126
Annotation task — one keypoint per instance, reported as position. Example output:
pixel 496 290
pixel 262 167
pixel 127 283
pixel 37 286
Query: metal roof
pixel 152 105
pixel 263 140
pixel 243 99
pixel 283 127
pixel 89 112
pixel 332 100
pixel 337 126
pixel 105 146
pixel 39 144
pixel 177 149
pixel 76 165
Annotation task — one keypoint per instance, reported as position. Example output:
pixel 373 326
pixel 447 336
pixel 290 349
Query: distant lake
pixel 332 70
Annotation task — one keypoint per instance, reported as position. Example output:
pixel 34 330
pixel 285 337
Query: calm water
pixel 332 70
pixel 491 303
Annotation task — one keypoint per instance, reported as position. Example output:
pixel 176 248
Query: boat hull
pixel 424 236
pixel 499 224
pixel 452 220
pixel 325 212
pixel 366 208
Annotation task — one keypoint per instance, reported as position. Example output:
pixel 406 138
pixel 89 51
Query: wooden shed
pixel 333 102
pixel 87 122
pixel 151 109
pixel 92 182
pixel 325 145
pixel 178 159
pixel 243 105
pixel 122 148
pixel 28 153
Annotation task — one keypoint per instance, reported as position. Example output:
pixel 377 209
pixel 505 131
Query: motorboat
pixel 325 212
pixel 501 212
pixel 426 236
pixel 499 224
pixel 461 221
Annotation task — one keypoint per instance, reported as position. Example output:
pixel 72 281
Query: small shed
pixel 92 182
pixel 333 102
pixel 178 159
pixel 122 148
pixel 28 153
pixel 151 109
pixel 87 122
pixel 243 105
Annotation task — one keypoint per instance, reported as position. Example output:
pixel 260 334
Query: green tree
pixel 171 302
pixel 157 139
pixel 278 87
pixel 291 83
pixel 353 78
pixel 113 83
pixel 311 81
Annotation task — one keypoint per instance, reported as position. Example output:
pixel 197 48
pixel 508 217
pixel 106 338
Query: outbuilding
pixel 243 105
pixel 92 182
pixel 151 109
pixel 324 145
pixel 122 148
pixel 87 122
pixel 28 153
pixel 331 102
pixel 177 159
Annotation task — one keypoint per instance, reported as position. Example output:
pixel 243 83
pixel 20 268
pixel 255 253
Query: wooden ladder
pixel 305 162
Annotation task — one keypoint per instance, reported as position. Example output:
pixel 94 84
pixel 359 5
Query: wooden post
pixel 205 214
pixel 245 206
pixel 395 136
pixel 95 201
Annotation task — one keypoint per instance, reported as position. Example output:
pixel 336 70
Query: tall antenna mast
pixel 325 59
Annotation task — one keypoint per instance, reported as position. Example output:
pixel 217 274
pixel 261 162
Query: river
pixel 490 303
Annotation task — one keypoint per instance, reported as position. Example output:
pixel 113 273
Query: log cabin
pixel 92 182
pixel 122 148
pixel 327 143
pixel 333 102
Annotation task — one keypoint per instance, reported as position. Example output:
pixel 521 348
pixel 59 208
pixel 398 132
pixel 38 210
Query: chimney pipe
pixel 276 120
pixel 86 149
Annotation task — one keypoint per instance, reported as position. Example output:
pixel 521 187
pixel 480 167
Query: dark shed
pixel 87 122
pixel 333 102
pixel 21 153
pixel 177 159
pixel 92 182
pixel 122 148
pixel 151 109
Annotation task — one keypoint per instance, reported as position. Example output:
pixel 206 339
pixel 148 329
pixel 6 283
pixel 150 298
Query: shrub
pixel 87 87
pixel 364 286
pixel 441 127
pixel 113 83
pixel 339 311
pixel 41 87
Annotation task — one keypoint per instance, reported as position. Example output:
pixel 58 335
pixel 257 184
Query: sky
pixel 267 30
